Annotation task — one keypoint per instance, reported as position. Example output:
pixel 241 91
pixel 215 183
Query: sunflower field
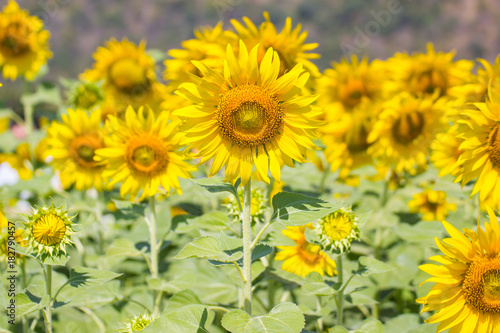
pixel 230 184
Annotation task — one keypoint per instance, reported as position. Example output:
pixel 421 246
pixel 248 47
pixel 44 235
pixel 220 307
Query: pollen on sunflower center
pixel 82 149
pixel 15 41
pixel 49 230
pixel 481 286
pixel 494 145
pixel 249 116
pixel 408 127
pixel 146 156
pixel 127 75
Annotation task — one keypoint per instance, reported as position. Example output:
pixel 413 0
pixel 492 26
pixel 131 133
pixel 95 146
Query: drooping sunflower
pixel 208 47
pixel 405 128
pixel 246 115
pixel 143 153
pixel 427 73
pixel 49 230
pixel 72 145
pixel 466 294
pixel 289 44
pixel 304 257
pixel 446 151
pixel 432 204
pixel 24 46
pixel 128 74
pixel 338 230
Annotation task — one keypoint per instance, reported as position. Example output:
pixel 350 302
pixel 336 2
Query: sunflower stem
pixel 247 247
pixel 48 310
pixel 319 322
pixel 98 216
pixel 154 251
pixel 340 293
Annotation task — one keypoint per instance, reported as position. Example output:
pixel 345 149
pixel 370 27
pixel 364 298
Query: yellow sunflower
pixel 427 73
pixel 10 236
pixel 432 204
pixel 246 115
pixel 304 257
pixel 20 160
pixel 138 323
pixel 208 47
pixel 128 74
pixel 403 133
pixel 24 46
pixel 446 151
pixel 72 145
pixel 142 153
pixel 338 230
pixel 288 43
pixel 466 294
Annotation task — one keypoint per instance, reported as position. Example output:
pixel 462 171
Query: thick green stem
pixel 247 248
pixel 154 252
pixel 48 309
pixel 23 280
pixel 98 217
pixel 340 297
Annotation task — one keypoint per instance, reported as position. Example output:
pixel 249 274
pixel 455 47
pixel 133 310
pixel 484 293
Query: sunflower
pixel 338 230
pixel 24 44
pixel 86 96
pixel 248 115
pixel 20 160
pixel 72 145
pixel 304 257
pixel 143 154
pixel 208 47
pixel 258 204
pixel 128 74
pixel 49 230
pixel 466 294
pixel 432 204
pixel 289 44
pixel 10 236
pixel 403 133
pixel 137 324
pixel 427 74
pixel 446 151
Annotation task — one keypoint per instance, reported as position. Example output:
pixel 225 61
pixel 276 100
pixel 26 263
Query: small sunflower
pixel 427 74
pixel 446 151
pixel 73 144
pixel 128 74
pixel 304 257
pixel 24 46
pixel 142 153
pixel 86 96
pixel 403 133
pixel 137 324
pixel 258 204
pixel 288 43
pixel 20 161
pixel 49 230
pixel 432 204
pixel 466 294
pixel 246 115
pixel 338 230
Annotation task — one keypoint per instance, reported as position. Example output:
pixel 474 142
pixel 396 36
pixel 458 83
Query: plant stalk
pixel 154 252
pixel 340 297
pixel 247 247
pixel 48 310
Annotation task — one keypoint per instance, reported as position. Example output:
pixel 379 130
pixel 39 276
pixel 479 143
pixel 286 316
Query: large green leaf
pixel 283 318
pixel 371 326
pixel 293 209
pixel 216 185
pixel 84 275
pixel 314 285
pixel 368 266
pixel 208 247
pixel 212 221
pixel 123 247
pixel 24 305
pixel 188 319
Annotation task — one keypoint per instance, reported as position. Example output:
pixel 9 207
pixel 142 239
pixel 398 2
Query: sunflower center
pixel 337 226
pixel 481 286
pixel 429 81
pixel 352 92
pixel 494 145
pixel 14 40
pixel 49 230
pixel 357 139
pixel 128 75
pixel 146 156
pixel 408 127
pixel 249 116
pixel 309 253
pixel 82 149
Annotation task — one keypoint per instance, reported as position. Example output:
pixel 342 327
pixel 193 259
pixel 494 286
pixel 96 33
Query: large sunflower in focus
pixel 466 294
pixel 142 153
pixel 288 43
pixel 427 74
pixel 72 145
pixel 404 131
pixel 128 74
pixel 24 44
pixel 246 115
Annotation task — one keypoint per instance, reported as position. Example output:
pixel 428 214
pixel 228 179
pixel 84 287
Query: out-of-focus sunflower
pixel 24 45
pixel 72 145
pixel 288 43
pixel 432 204
pixel 128 74
pixel 446 151
pixel 208 47
pixel 85 96
pixel 466 294
pixel 20 160
pixel 426 73
pixel 10 236
pixel 404 131
pixel 143 153
pixel 304 257
pixel 246 115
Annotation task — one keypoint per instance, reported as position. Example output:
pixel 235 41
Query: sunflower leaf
pixel 217 184
pixel 81 276
pixel 208 247
pixel 314 285
pixel 368 266
pixel 188 319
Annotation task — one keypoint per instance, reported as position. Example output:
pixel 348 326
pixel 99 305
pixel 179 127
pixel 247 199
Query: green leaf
pixel 283 318
pixel 370 326
pixel 189 319
pixel 368 266
pixel 24 305
pixel 83 276
pixel 207 247
pixel 216 185
pixel 212 221
pixel 403 323
pixel 57 261
pixel 338 329
pixel 92 296
pixel 123 247
pixel 314 285
pixel 293 209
